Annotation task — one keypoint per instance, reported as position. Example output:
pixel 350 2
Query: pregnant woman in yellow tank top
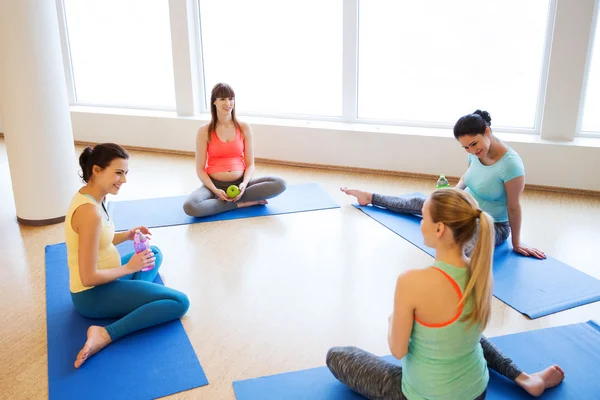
pixel 102 283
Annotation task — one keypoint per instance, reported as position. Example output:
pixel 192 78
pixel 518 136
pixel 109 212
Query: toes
pixel 80 361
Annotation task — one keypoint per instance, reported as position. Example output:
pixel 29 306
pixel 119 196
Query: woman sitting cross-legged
pixel 225 158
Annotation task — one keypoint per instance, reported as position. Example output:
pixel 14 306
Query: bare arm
pixel 87 223
pixel 128 235
pixel 201 148
pixel 248 152
pixel 461 183
pixel 514 189
pixel 402 318
pixel 121 237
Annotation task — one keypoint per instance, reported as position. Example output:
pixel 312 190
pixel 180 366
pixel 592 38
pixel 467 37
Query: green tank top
pixel 446 361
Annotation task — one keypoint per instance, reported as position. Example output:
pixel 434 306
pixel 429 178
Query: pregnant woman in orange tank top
pixel 225 157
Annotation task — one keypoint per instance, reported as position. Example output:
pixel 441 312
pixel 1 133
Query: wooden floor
pixel 270 294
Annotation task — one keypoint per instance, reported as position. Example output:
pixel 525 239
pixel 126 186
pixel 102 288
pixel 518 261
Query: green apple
pixel 233 191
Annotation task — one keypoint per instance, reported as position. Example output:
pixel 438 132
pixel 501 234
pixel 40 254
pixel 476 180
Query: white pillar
pixel 184 47
pixel 35 112
pixel 566 71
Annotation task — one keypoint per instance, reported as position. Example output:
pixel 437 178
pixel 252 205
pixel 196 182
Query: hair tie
pixel 478 213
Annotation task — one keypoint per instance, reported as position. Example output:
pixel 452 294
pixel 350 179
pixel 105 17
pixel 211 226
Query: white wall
pixel 429 151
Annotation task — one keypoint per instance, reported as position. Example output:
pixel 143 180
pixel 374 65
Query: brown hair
pixel 220 91
pixel 458 210
pixel 101 155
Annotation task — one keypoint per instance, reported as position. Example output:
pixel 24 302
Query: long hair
pixel 458 210
pixel 220 91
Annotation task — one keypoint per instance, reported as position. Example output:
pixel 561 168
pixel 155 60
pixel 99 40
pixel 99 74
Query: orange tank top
pixel 225 156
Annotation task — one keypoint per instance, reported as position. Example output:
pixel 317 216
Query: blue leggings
pixel 135 299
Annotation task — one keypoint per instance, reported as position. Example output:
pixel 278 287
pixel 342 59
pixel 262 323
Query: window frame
pixel 190 86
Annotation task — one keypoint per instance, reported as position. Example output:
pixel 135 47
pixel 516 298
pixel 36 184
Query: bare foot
pixel 364 198
pixel 251 203
pixel 97 339
pixel 535 384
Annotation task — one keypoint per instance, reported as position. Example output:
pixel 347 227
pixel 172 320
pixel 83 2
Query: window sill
pixel 509 137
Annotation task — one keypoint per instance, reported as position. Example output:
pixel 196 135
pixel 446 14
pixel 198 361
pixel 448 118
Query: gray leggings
pixel 376 379
pixel 202 202
pixel 412 204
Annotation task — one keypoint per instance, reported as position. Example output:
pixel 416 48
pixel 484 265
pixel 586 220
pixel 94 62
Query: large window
pixel 395 62
pixel 280 57
pixel 591 106
pixel 121 52
pixel 431 61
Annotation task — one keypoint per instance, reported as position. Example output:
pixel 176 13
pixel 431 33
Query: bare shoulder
pixel 86 216
pixel 203 132
pixel 407 279
pixel 246 128
pixel 416 279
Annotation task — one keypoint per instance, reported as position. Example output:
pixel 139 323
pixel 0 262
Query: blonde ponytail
pixel 459 211
pixel 481 282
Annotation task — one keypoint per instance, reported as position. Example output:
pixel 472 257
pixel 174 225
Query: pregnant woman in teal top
pixel 495 178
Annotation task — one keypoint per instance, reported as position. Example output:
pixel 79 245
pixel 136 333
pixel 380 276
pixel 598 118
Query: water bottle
pixel 141 243
pixel 442 183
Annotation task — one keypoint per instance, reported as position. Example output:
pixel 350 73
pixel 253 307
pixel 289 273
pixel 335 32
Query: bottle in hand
pixel 141 243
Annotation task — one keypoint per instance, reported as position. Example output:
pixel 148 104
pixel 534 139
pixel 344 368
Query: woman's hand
pixel 140 260
pixel 521 248
pixel 144 230
pixel 221 195
pixel 242 188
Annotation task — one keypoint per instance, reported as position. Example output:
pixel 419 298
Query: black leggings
pixel 375 378
pixel 414 204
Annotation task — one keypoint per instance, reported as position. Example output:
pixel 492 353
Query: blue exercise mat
pixel 151 363
pixel 168 211
pixel 531 286
pixel 576 348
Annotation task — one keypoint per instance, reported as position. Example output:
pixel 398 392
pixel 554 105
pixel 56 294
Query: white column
pixel 188 82
pixel 350 61
pixel 566 70
pixel 35 112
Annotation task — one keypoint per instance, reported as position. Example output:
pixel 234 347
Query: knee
pixel 189 208
pixel 184 304
pixel 336 354
pixel 279 185
pixel 196 209
pixel 331 356
pixel 158 254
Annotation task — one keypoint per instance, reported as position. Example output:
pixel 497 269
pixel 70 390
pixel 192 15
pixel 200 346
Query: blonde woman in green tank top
pixel 439 316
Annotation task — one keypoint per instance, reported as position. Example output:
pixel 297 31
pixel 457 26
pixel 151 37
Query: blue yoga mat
pixel 576 348
pixel 151 363
pixel 531 286
pixel 168 211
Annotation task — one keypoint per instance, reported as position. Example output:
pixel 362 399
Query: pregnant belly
pixel 227 176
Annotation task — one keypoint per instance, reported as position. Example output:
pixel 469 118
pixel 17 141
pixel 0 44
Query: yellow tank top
pixel 108 255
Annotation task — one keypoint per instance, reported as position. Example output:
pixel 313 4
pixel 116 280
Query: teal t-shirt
pixel 486 182
pixel 446 362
